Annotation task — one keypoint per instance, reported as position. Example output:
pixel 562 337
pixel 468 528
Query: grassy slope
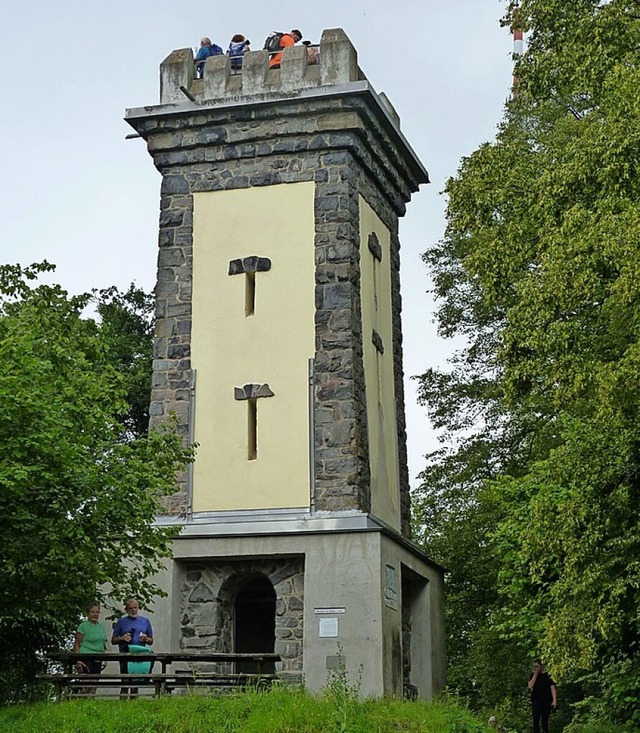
pixel 279 711
pixel 282 710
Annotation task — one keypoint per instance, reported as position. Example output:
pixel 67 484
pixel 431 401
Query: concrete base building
pixel 279 349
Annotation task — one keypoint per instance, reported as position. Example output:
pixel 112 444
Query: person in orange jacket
pixel 286 40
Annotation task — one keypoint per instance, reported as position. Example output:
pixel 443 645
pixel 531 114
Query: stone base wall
pixel 208 590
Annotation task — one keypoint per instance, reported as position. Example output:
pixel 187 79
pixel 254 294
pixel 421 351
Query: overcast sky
pixel 74 192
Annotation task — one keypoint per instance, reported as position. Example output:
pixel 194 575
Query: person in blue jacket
pixel 237 48
pixel 206 49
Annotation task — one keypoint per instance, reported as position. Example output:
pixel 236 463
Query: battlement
pixel 338 66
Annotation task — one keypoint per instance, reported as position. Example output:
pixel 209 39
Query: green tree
pixel 126 321
pixel 539 271
pixel 78 495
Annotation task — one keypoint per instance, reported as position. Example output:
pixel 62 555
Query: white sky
pixel 74 192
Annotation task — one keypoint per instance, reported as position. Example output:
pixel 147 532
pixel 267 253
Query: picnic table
pixel 203 669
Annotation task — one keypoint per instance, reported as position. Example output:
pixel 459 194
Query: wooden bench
pixel 70 682
pixel 160 684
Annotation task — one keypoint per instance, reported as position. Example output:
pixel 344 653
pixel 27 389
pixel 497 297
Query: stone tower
pixel 279 349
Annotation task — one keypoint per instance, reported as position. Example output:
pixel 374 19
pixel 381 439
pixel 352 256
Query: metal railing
pixel 313 58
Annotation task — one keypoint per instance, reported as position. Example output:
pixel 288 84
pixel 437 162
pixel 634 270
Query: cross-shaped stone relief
pixel 249 266
pixel 251 393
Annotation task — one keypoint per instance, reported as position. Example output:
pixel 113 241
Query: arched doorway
pixel 255 621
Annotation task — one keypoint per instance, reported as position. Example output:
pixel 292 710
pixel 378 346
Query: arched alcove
pixel 254 620
pixel 253 605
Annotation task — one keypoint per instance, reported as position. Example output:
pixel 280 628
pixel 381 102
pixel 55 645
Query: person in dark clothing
pixel 544 696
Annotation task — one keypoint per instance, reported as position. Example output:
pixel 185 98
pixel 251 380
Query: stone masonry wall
pixel 207 594
pixel 346 144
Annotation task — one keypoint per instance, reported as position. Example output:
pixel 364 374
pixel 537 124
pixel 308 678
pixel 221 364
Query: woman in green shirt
pixel 91 639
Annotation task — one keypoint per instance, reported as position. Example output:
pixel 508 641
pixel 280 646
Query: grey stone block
pixel 254 71
pixel 173 185
pixel 201 594
pixel 296 604
pixel 336 295
pixel 249 264
pixel 252 391
pixel 338 58
pixel 293 68
pixel 172 218
pixel 156 409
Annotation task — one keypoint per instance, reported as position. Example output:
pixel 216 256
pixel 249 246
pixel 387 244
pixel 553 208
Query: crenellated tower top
pixel 338 66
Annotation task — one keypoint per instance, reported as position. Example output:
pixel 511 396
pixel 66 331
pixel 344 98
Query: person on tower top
pixel 206 49
pixel 286 40
pixel 313 53
pixel 237 48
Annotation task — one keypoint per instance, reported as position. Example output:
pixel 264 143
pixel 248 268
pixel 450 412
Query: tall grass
pixel 281 710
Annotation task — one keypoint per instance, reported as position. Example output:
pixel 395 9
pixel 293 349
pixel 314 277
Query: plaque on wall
pixel 390 592
pixel 328 627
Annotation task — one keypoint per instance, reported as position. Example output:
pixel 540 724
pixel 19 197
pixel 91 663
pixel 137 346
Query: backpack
pixel 272 42
pixel 236 52
pixel 236 48
pixel 215 50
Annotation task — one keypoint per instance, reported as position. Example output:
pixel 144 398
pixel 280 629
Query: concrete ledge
pixel 283 523
pixel 293 68
pixel 254 72
pixel 390 108
pixel 217 72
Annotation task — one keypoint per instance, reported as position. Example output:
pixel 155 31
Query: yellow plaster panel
pixel 375 289
pixel 230 349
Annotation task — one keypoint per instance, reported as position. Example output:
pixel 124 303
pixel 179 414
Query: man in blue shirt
pixel 131 629
pixel 206 49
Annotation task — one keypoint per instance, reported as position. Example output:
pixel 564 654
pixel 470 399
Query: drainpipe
pixel 192 432
pixel 312 438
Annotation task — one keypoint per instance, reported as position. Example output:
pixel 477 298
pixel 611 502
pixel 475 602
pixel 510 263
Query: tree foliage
pixel 126 321
pixel 78 492
pixel 539 270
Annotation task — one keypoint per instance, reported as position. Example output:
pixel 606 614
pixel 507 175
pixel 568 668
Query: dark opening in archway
pixel 255 622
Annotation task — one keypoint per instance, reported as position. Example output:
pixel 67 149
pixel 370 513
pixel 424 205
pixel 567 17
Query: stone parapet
pixel 338 65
